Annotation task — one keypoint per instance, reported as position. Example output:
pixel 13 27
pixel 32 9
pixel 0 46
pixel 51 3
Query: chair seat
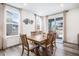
pixel 47 45
pixel 31 47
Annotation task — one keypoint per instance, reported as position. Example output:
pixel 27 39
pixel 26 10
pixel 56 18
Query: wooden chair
pixel 36 33
pixel 26 45
pixel 54 38
pixel 33 33
pixel 40 32
pixel 48 43
pixel 54 41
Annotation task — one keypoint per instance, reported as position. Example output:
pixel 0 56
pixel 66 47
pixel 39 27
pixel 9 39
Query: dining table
pixel 38 39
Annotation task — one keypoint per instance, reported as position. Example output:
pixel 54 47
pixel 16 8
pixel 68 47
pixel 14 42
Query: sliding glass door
pixel 56 25
pixel 52 25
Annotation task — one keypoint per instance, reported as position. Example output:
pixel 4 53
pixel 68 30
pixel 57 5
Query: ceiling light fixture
pixel 25 4
pixel 61 5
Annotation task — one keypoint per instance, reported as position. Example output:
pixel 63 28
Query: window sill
pixel 12 36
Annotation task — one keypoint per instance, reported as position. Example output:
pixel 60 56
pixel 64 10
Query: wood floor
pixel 61 50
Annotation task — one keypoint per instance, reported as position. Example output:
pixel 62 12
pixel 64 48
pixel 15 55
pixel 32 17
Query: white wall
pixel 1 24
pixel 11 41
pixel 28 28
pixel 72 25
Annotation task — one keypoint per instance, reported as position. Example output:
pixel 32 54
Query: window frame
pixel 8 7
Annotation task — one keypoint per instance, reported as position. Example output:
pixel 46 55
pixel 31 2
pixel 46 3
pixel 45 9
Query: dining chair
pixel 54 41
pixel 48 43
pixel 26 45
pixel 33 33
pixel 40 32
pixel 54 38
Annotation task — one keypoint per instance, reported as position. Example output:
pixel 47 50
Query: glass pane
pixel 12 29
pixel 52 25
pixel 38 23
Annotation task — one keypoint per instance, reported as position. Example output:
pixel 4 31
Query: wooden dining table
pixel 38 39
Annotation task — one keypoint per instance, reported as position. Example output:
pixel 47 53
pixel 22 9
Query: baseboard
pixel 70 43
pixel 10 47
pixel 13 46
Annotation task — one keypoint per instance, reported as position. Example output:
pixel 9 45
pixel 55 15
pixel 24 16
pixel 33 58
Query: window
pixel 38 23
pixel 12 21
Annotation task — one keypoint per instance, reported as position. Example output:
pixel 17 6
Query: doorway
pixel 57 25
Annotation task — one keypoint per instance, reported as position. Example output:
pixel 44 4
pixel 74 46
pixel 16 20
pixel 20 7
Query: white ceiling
pixel 43 9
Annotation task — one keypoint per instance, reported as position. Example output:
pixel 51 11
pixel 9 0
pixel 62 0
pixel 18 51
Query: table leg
pixel 37 51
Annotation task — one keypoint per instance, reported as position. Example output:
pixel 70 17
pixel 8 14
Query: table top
pixel 40 38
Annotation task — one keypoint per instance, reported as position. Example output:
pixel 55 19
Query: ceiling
pixel 44 9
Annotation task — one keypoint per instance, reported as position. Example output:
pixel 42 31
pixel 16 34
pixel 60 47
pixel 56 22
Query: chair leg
pixel 46 51
pixel 37 51
pixel 52 49
pixel 22 51
pixel 28 53
pixel 43 51
pixel 55 45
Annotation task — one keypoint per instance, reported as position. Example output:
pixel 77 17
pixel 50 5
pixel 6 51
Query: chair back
pixel 49 39
pixel 54 35
pixel 33 33
pixel 24 39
